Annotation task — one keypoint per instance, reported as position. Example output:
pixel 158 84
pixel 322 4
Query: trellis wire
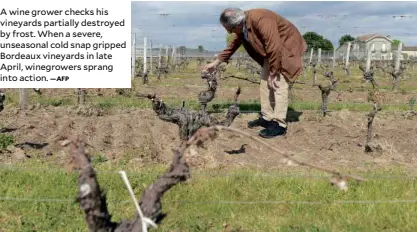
pixel 220 202
pixel 208 174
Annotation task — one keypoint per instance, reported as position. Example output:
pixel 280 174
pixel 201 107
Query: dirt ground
pixel 141 138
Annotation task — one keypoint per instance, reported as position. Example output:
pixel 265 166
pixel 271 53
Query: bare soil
pixel 141 138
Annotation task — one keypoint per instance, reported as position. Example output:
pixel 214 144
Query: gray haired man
pixel 275 44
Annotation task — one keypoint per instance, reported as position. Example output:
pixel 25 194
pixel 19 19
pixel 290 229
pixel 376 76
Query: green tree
pixel 327 45
pixel 345 39
pixel 316 41
pixel 230 37
pixel 200 48
pixel 396 42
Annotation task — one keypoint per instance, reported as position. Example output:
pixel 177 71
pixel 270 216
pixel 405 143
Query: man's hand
pixel 210 67
pixel 273 82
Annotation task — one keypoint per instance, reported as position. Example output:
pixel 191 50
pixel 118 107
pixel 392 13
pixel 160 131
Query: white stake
pixel 145 221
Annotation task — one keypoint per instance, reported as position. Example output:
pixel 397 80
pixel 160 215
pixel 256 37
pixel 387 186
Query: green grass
pixel 6 140
pixel 192 206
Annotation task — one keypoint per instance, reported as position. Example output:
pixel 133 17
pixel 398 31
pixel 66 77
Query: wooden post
pixel 347 59
pixel 368 60
pixel 175 55
pixel 166 55
pixel 397 71
pixel 319 57
pixel 398 57
pixel 144 54
pixel 23 99
pixel 334 58
pixel 304 67
pixel 133 55
pixel 159 56
pixel 347 54
pixel 311 55
pixel 151 58
pixel 172 55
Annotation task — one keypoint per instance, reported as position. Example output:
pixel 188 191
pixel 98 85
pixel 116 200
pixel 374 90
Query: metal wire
pixel 209 174
pixel 222 202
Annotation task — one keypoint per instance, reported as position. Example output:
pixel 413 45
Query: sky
pixel 197 23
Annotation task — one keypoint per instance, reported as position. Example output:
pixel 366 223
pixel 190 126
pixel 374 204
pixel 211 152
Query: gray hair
pixel 232 17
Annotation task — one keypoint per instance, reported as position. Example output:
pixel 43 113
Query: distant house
pixel 380 45
pixel 411 51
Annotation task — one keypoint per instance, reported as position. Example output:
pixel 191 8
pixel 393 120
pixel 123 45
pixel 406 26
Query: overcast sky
pixel 195 23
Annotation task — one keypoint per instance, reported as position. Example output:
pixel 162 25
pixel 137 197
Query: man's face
pixel 235 30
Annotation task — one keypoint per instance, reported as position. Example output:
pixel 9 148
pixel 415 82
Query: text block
pixel 71 44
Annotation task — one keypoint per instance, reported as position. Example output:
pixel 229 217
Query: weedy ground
pixel 125 134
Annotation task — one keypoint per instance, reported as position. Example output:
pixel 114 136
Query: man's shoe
pixel 272 130
pixel 258 122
